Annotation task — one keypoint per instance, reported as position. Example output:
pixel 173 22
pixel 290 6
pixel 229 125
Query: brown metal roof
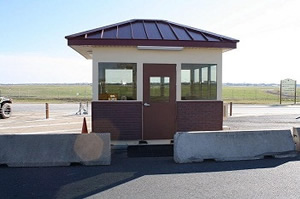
pixel 146 32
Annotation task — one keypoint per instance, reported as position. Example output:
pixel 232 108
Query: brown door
pixel 159 112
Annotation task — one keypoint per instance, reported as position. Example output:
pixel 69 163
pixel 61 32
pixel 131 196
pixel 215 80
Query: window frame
pixel 102 79
pixel 212 93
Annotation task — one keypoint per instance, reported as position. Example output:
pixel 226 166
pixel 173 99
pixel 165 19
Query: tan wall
pixel 133 55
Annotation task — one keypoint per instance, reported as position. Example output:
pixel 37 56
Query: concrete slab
pixel 28 150
pixel 296 137
pixel 232 145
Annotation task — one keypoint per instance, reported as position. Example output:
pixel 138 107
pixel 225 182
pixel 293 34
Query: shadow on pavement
pixel 84 181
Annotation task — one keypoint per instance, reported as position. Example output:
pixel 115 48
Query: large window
pixel 117 81
pixel 198 81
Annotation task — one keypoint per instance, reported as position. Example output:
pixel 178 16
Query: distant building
pixel 152 78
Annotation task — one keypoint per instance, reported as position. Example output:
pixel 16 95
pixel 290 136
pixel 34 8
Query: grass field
pixel 65 93
pixel 251 94
pixel 48 93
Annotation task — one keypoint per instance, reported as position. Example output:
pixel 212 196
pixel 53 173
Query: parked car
pixel 5 107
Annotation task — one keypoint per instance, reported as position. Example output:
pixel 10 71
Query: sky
pixel 33 48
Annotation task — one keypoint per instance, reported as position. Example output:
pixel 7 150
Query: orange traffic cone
pixel 84 126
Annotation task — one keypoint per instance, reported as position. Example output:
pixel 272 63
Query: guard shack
pixel 152 78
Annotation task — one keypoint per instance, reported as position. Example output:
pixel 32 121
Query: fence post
pixel 280 95
pixel 47 110
pixel 230 108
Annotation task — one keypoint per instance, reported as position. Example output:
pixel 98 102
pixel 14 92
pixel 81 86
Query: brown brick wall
pixel 122 119
pixel 199 115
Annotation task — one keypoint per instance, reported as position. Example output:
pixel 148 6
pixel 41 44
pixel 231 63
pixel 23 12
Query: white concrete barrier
pixel 37 150
pixel 232 145
pixel 296 137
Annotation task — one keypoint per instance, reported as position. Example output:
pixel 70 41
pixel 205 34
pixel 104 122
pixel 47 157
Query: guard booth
pixel 152 78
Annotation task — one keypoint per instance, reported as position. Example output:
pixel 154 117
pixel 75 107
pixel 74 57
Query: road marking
pixel 77 131
pixel 41 125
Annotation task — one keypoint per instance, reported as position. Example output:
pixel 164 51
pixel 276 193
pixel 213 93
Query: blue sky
pixel 33 48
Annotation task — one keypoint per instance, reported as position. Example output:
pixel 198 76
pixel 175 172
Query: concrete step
pixel 150 150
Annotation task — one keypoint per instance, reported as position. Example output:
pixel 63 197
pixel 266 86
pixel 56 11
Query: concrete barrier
pixel 232 145
pixel 37 150
pixel 296 137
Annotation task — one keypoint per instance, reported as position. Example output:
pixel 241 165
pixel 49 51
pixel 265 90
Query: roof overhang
pixel 149 34
pixel 87 50
pixel 136 42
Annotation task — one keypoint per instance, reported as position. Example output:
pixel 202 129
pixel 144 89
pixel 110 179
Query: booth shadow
pixel 83 181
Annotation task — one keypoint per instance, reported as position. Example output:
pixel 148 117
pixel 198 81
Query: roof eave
pixel 129 42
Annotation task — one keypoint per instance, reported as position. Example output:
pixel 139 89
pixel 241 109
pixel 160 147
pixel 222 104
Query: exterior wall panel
pixel 199 115
pixel 133 55
pixel 122 119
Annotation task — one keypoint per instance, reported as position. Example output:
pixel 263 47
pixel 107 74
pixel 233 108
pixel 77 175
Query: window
pixel 159 89
pixel 198 81
pixel 117 81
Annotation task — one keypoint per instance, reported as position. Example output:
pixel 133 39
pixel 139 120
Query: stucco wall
pixel 133 55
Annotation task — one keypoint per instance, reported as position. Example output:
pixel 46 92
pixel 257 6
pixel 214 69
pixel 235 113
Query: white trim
pixel 95 80
pixel 178 82
pixel 139 81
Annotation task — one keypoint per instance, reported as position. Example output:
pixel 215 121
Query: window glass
pixel 117 81
pixel 196 75
pixel 213 72
pixel 213 82
pixel 159 89
pixel 198 82
pixel 185 76
pixel 204 74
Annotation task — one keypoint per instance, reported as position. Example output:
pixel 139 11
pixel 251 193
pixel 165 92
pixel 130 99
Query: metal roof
pixel 146 32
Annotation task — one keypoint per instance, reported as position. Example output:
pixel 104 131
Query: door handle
pixel 146 104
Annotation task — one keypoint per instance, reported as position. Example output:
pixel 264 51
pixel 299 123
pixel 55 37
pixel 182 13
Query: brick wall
pixel 122 119
pixel 199 115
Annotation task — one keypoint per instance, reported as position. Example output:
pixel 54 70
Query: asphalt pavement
pixel 31 118
pixel 156 177
pixel 259 117
pixel 161 177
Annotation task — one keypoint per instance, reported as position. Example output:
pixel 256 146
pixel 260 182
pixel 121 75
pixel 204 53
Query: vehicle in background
pixel 5 107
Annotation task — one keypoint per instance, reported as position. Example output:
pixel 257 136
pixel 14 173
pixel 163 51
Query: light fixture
pixel 170 48
pixel 90 53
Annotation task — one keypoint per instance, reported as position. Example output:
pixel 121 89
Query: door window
pixel 159 89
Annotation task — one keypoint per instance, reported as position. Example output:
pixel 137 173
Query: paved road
pixel 161 177
pixel 257 110
pixel 30 118
pixel 247 117
pixel 156 178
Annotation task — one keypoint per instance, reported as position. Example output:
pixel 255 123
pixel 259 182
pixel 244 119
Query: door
pixel 159 94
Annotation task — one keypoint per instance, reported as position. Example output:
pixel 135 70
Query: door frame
pixel 158 70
